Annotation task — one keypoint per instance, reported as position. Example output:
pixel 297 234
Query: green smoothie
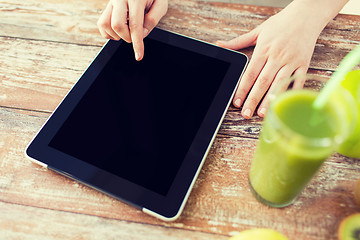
pixel 351 147
pixel 294 142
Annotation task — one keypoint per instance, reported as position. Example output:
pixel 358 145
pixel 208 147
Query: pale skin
pixel 132 21
pixel 284 43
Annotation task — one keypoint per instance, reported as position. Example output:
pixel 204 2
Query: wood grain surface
pixel 45 46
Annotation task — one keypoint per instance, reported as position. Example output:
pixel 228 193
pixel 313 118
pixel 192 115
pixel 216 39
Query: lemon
pixel 259 234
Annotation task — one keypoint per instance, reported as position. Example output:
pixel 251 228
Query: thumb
pixel 243 41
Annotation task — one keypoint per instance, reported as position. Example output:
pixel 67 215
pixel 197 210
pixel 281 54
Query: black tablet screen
pixel 138 119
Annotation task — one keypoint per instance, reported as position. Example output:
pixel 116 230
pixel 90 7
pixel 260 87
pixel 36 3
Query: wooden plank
pixel 24 222
pixel 64 21
pixel 220 202
pixel 42 72
pixel 46 46
pixel 38 80
pixel 36 75
pixel 208 21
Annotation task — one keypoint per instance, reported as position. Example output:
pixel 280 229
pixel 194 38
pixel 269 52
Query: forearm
pixel 320 12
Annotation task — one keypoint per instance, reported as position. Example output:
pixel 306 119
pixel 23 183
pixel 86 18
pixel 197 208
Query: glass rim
pixel 328 141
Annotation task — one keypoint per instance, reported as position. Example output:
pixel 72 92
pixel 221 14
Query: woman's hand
pixel 284 46
pixel 131 20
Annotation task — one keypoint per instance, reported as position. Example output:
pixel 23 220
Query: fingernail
pixel 220 43
pixel 247 113
pixel 237 102
pixel 146 31
pixel 262 112
pixel 137 56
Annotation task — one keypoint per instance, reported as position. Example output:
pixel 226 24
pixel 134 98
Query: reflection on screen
pixel 138 119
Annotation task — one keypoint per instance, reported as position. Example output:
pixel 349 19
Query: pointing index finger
pixel 136 21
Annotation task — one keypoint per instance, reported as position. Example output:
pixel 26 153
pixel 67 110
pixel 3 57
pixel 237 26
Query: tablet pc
pixel 140 131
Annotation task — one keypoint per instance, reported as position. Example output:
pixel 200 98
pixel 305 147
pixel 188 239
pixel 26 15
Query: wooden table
pixel 45 46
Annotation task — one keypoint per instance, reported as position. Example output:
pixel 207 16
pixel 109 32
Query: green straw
pixel 346 65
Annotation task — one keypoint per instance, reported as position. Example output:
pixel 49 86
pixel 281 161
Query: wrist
pixel 318 12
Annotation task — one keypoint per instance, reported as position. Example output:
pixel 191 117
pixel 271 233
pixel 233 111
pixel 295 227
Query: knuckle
pixel 264 82
pixel 251 102
pixel 134 24
pixel 251 75
pixel 265 49
pixel 117 27
pixel 102 24
pixel 151 20
pixel 241 92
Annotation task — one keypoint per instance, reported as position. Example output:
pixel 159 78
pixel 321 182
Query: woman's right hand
pixel 132 21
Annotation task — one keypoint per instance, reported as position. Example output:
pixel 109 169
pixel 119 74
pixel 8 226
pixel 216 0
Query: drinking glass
pixel 296 139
